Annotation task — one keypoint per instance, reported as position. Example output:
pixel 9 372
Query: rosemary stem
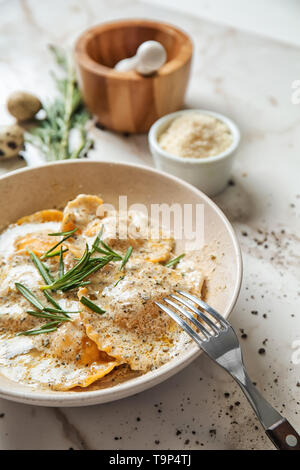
pixel 68 113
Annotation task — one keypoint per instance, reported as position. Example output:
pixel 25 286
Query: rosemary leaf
pixel 63 234
pixel 174 261
pixel 57 310
pixel 97 240
pixel 120 279
pixel 113 254
pixel 88 303
pixel 56 253
pixel 47 325
pixel 29 296
pixel 43 270
pixel 53 301
pixel 46 329
pixel 103 252
pixel 59 55
pixel 61 267
pixel 49 316
pixel 126 257
pixel 109 250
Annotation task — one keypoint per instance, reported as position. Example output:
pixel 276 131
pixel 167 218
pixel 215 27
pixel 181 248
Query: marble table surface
pixel 248 78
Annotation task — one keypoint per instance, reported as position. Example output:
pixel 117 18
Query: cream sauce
pixel 132 334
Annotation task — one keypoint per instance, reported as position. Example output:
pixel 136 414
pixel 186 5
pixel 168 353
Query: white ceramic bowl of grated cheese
pixel 196 145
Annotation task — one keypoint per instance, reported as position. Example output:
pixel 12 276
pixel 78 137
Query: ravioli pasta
pixel 132 332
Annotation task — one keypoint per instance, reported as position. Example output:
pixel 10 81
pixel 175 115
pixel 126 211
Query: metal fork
pixel 218 339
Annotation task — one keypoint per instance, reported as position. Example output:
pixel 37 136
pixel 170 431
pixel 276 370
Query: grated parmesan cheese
pixel 195 135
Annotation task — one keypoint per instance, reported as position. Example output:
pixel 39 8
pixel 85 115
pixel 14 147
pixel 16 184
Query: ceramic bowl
pixel 25 191
pixel 209 174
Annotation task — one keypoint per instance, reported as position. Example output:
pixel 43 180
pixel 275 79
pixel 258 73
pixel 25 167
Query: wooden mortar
pixel 127 101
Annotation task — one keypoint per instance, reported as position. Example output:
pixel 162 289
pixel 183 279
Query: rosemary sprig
pixel 174 261
pixel 43 270
pixel 77 280
pixel 83 268
pixel 56 315
pixel 88 303
pixel 69 234
pixel 126 257
pixel 64 115
pixel 71 279
pixel 108 251
pixel 36 303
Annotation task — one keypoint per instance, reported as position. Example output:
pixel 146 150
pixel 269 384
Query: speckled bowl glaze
pixel 25 191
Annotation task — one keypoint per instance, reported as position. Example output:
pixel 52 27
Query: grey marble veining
pixel 249 78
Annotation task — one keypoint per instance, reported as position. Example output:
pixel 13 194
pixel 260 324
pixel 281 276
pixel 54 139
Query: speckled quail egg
pixel 11 141
pixel 23 106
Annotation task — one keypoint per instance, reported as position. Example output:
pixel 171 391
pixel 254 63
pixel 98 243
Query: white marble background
pixel 276 19
pixel 248 78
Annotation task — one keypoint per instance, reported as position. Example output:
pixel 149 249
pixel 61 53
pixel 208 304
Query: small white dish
pixel 209 174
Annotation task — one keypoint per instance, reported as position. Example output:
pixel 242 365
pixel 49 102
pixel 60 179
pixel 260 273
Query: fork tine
pixel 187 314
pixel 188 304
pixel 205 307
pixel 181 323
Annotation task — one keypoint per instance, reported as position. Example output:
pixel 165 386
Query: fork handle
pixel 277 428
pixel 284 436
